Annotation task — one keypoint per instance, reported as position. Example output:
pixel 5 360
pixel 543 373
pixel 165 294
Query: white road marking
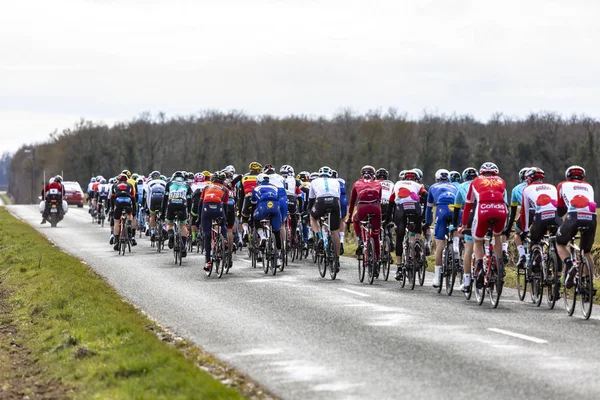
pixel 241 259
pixel 518 335
pixel 356 293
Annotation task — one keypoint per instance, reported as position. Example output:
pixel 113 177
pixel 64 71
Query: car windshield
pixel 72 186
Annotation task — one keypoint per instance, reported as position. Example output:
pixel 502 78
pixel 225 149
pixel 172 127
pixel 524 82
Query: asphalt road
pixel 305 337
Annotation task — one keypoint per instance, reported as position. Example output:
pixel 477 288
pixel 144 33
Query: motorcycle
pixel 56 209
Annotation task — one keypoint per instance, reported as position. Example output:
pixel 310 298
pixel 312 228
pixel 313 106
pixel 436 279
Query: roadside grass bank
pixel 5 198
pixel 65 333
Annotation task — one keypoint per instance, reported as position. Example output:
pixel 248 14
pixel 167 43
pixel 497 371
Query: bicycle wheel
pixel 479 292
pixel 403 277
pixel 412 268
pixel 449 271
pixel 386 257
pixel 521 282
pixel 272 253
pixel 586 289
pixel 536 288
pixel 370 257
pixel 421 260
pixel 493 279
pixel 361 268
pixel 218 257
pixel 333 260
pixel 295 253
pixel 314 250
pixel 570 297
pixel 551 266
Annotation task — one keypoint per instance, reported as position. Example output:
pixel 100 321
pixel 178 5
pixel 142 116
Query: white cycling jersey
pixel 276 180
pixel 387 188
pixel 407 192
pixel 290 186
pixel 323 187
pixel 577 196
pixel 539 197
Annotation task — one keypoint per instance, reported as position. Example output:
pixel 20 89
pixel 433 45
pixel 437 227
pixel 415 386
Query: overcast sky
pixel 61 60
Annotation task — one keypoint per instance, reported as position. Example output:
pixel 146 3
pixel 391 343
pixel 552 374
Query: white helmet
pixel 229 168
pixel 489 168
pixel 51 180
pixel 286 169
pixel 262 178
pixel 442 175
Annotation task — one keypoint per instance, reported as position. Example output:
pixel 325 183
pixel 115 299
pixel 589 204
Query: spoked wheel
pixel 479 292
pixel 521 282
pixel 314 251
pixel 321 265
pixel 421 261
pixel 536 288
pixel 551 280
pixel 370 252
pixel 272 258
pixel 570 297
pixel 404 275
pixel 494 279
pixel 361 268
pixel 586 289
pixel 295 252
pixel 386 260
pixel 449 271
pixel 334 262
pixel 219 259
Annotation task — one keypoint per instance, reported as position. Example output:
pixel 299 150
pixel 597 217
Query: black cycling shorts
pixel 122 207
pixel 541 222
pixel 405 214
pixel 571 224
pixel 324 205
pixel 230 216
pixel 292 202
pixel 174 208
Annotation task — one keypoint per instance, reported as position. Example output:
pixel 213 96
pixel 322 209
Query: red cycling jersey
pixel 364 191
pixel 215 193
pixel 489 192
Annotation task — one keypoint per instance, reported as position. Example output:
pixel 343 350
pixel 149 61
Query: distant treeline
pixel 5 160
pixel 211 140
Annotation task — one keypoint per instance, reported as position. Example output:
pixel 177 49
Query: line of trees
pixel 347 141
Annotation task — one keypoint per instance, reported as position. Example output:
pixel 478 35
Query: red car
pixel 74 194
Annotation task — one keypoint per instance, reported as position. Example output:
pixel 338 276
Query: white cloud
pixel 113 59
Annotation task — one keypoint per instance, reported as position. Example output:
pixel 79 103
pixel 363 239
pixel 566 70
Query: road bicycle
pixel 522 277
pixel 542 271
pixel 583 286
pixel 101 214
pixel 414 260
pixel 492 273
pixel 177 238
pixel 296 247
pixel 141 220
pixel 451 266
pixel 387 247
pixel 326 251
pixel 367 262
pixel 124 234
pixel 218 256
pixel 269 259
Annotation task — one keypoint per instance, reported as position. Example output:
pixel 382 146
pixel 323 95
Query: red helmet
pixel 122 178
pixel 575 172
pixel 367 172
pixel 534 174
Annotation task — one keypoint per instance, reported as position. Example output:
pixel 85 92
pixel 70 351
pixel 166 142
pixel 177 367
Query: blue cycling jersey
pixel 516 196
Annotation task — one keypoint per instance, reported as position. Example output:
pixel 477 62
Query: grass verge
pixel 68 328
pixel 5 198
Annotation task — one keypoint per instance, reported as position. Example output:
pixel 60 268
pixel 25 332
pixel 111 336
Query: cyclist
pixel 541 198
pixel 487 196
pixel 405 205
pixel 265 197
pixel 516 197
pixel 248 183
pixel 366 193
pixel 294 198
pixel 441 194
pixel 154 194
pixel 343 208
pixel 196 187
pixel 277 181
pixel 304 178
pixel 213 201
pixel 387 188
pixel 576 200
pixel 468 175
pixel 102 195
pixel 323 198
pixel 123 198
pixel 230 209
pixel 90 193
pixel 177 199
pixel 426 229
pixel 455 178
pixel 139 190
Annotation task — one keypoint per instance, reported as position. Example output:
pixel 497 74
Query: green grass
pixel 82 333
pixel 5 198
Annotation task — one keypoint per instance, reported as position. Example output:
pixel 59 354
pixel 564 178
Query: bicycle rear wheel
pixel 370 256
pixel 521 282
pixel 551 280
pixel 449 271
pixel 586 289
pixel 479 292
pixel 570 297
pixel 386 257
pixel 493 280
pixel 361 268
pixel 218 256
pixel 333 260
pixel 536 288
pixel 421 260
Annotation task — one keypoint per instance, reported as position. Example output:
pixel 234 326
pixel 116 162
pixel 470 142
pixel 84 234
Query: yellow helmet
pixel 255 166
pixel 206 174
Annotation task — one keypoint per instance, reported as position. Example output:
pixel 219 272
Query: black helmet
pixel 178 175
pixel 218 177
pixel 382 174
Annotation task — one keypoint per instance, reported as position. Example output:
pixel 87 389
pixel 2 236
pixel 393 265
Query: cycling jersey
pixel 364 191
pixel 541 198
pixel 122 195
pixel 215 193
pixel 249 182
pixel 516 195
pixel 387 188
pixel 266 198
pixel 407 192
pixel 576 196
pixel 441 195
pixel 489 194
pixel 324 187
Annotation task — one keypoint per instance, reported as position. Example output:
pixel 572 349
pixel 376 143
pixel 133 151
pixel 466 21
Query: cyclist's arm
pixel 353 196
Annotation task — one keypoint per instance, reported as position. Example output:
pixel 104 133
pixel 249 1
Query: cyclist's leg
pixel 334 226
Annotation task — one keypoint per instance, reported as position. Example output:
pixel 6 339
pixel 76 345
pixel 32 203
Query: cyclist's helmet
pixel 111 181
pixel 304 176
pixel 255 166
pixel 488 168
pixel 140 180
pixel 469 174
pixel 262 177
pixel 419 174
pixel 134 176
pixel 286 170
pixel 163 177
pixel 410 175
pixel 206 174
pixel 93 179
pixel 534 174
pixel 382 174
pixel 334 173
pixel 575 172
pixel 51 180
pixel 268 169
pixel 325 171
pixel 367 172
pixel 442 175
pixel 522 173
pixel 103 181
pixel 313 176
pixel 58 179
pixel 154 175
pixel 455 176
pixel 127 173
pixel 98 178
pixel 122 178
pixel 199 177
pixel 229 168
pixel 402 174
pixel 189 176
pixel 218 177
pixel 178 176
